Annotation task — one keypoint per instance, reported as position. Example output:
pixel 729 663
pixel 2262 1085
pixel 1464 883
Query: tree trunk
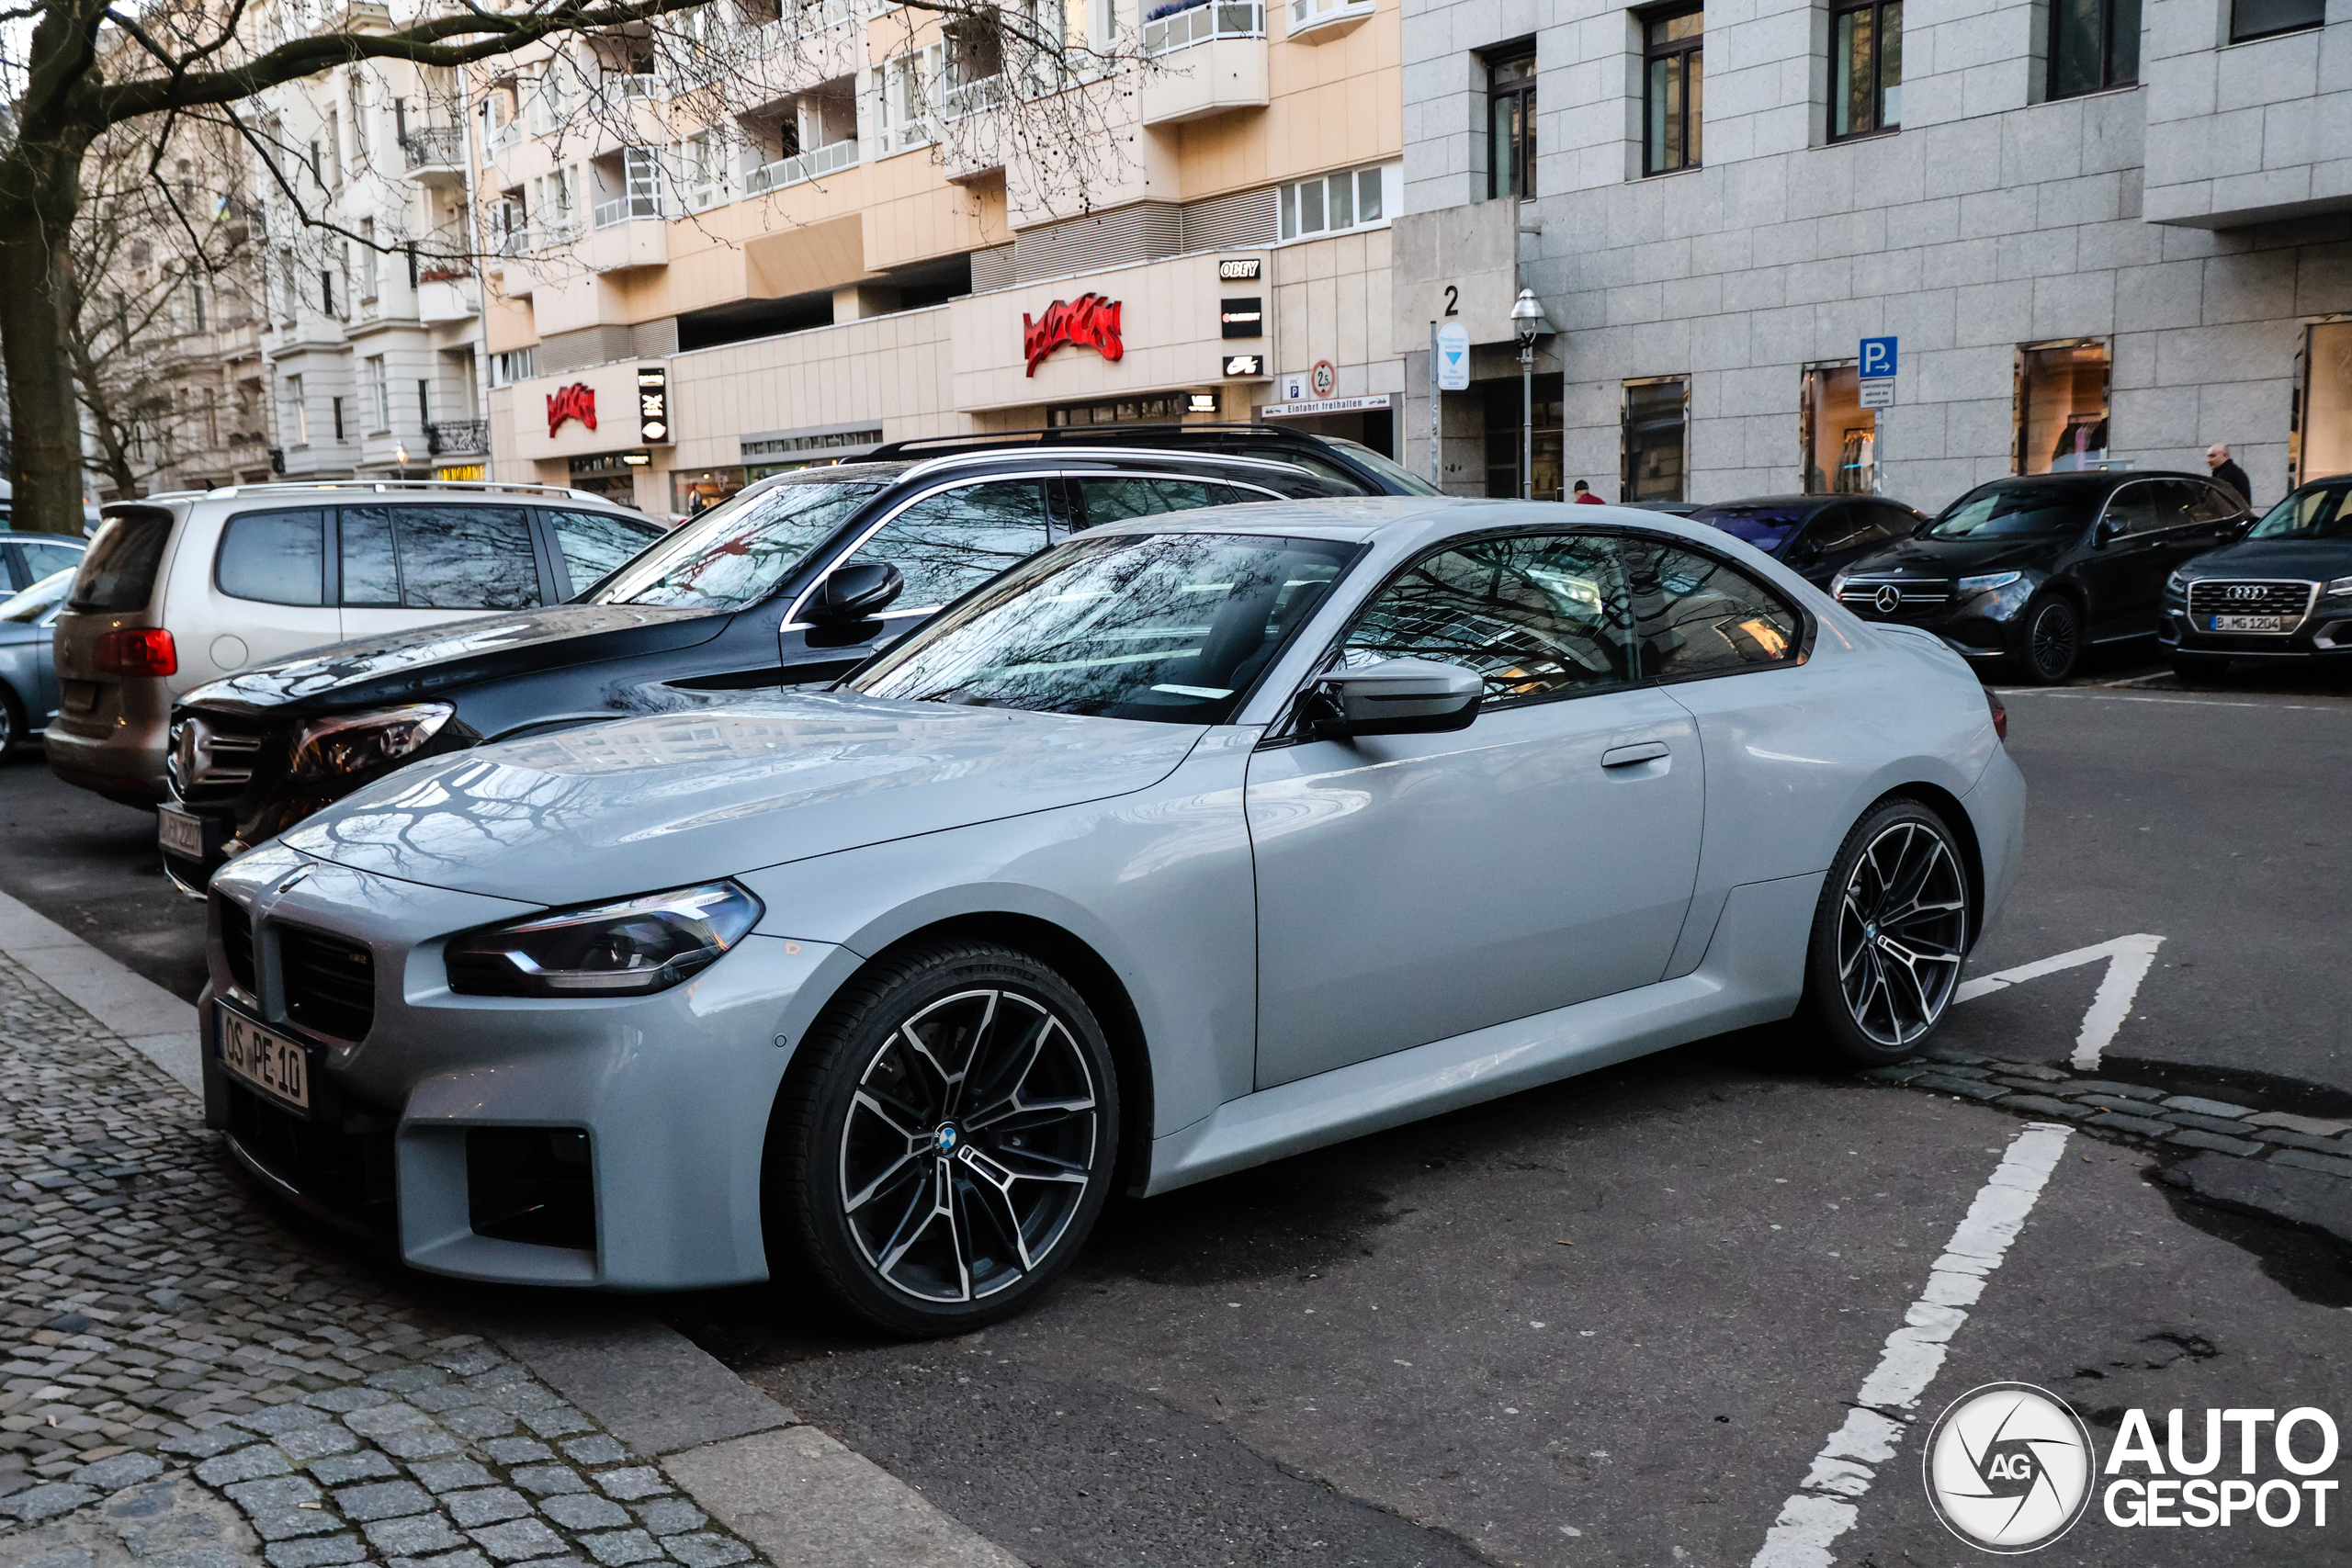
pixel 40 191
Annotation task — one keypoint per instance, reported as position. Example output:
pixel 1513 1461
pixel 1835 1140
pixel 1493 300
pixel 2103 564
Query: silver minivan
pixel 185 588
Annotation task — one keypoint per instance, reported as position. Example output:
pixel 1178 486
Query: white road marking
pixel 2128 958
pixel 1821 1508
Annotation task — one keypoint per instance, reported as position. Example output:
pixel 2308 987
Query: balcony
pixel 1206 59
pixel 965 99
pixel 629 233
pixel 446 294
pixel 629 86
pixel 457 438
pixel 802 167
pixel 436 155
pixel 622 208
pixel 1319 21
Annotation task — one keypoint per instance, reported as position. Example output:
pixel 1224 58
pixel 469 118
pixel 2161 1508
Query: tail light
pixel 2000 714
pixel 145 651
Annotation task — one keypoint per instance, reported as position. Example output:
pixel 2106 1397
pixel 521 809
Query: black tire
pixel 2050 640
pixel 921 1203
pixel 12 721
pixel 1875 988
pixel 2198 666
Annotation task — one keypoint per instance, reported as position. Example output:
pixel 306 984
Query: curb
pixel 793 1494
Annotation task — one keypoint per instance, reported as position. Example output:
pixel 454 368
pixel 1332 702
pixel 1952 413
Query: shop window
pixel 1673 91
pixel 1169 408
pixel 2260 19
pixel 2324 414
pixel 1840 436
pixel 1503 437
pixel 1511 125
pixel 1656 419
pixel 2062 407
pixel 1352 199
pixel 2093 45
pixel 1865 68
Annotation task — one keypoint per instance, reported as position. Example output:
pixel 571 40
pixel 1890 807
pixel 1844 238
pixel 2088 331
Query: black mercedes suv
pixel 792 581
pixel 2031 571
pixel 2282 593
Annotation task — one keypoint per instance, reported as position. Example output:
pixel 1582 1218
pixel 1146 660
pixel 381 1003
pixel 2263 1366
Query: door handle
pixel 1626 756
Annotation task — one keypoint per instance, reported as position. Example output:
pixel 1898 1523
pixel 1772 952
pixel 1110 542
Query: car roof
pixel 1402 520
pixel 29 536
pixel 452 490
pixel 1791 501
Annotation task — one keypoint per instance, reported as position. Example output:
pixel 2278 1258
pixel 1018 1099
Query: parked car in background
pixel 2030 571
pixel 1816 536
pixel 27 558
pixel 28 676
pixel 792 581
pixel 1190 843
pixel 183 588
pixel 2282 593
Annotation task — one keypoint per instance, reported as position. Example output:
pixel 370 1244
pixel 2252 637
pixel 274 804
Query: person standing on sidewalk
pixel 1583 496
pixel 2217 458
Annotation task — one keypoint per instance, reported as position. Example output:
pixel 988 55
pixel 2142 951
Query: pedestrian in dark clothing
pixel 2217 458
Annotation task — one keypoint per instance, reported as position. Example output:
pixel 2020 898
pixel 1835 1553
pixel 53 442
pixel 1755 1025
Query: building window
pixel 2062 407
pixel 195 299
pixel 2093 45
pixel 338 417
pixel 1674 90
pixel 1167 409
pixel 2323 433
pixel 370 258
pixel 2260 19
pixel 1352 199
pixel 1865 68
pixel 1840 436
pixel 382 390
pixel 423 403
pixel 300 411
pixel 1503 415
pixel 326 291
pixel 1656 416
pixel 1511 125
pixel 513 366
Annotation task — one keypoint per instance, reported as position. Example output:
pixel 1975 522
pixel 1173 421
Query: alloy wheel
pixel 969 1145
pixel 1902 933
pixel 2052 640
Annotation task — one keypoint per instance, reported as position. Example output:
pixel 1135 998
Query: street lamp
pixel 1527 324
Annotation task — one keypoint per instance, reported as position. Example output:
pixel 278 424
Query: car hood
pixel 1956 557
pixel 2321 559
pixel 407 666
pixel 674 799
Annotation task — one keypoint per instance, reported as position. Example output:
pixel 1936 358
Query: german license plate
pixel 179 833
pixel 2248 624
pixel 275 1065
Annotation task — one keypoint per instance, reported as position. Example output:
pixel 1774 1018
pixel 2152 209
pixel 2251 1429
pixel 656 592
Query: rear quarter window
pixel 275 558
pixel 118 572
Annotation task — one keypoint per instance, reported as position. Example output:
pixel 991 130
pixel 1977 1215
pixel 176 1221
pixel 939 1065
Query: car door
pixel 2123 570
pixel 418 565
pixel 274 567
pixel 1412 887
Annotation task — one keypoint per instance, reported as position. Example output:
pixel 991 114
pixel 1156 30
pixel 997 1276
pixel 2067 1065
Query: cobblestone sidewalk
pixel 184 1376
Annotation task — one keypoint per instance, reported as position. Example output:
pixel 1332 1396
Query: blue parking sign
pixel 1878 358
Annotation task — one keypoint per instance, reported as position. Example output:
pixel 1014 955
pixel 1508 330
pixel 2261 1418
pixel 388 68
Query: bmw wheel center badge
pixel 2009 1468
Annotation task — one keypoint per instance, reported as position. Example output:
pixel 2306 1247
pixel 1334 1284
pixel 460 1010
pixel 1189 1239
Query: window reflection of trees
pixel 946 543
pixel 735 555
pixel 1533 615
pixel 1170 627
pixel 1694 615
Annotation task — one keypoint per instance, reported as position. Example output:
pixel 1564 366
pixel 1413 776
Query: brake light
pixel 2000 714
pixel 145 651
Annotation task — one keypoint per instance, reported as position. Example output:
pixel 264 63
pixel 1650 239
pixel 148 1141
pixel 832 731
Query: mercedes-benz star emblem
pixel 2009 1468
pixel 1888 598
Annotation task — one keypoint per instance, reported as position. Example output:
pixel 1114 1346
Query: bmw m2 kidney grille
pixel 2231 596
pixel 330 983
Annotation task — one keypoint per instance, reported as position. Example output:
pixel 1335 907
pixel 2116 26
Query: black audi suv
pixel 1816 536
pixel 2030 571
pixel 792 581
pixel 2283 592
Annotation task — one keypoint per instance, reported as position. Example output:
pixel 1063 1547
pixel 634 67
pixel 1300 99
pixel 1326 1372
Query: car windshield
pixel 39 598
pixel 1766 527
pixel 1387 468
pixel 735 553
pixel 1170 627
pixel 2006 511
pixel 2320 512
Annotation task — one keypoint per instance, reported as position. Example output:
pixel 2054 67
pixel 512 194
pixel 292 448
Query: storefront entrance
pixel 1503 405
pixel 1839 437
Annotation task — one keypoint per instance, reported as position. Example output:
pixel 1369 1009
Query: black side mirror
pixel 1397 696
pixel 857 592
pixel 2106 531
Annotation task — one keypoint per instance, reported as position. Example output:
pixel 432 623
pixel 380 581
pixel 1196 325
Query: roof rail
pixel 1122 434
pixel 927 464
pixel 497 486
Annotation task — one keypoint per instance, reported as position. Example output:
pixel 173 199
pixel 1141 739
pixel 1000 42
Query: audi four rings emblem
pixel 1888 598
pixel 2245 590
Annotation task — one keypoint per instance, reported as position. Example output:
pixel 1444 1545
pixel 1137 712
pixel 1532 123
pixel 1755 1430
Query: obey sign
pixel 575 401
pixel 1089 322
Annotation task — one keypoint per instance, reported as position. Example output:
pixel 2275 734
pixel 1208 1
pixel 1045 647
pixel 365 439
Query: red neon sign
pixel 1089 322
pixel 575 401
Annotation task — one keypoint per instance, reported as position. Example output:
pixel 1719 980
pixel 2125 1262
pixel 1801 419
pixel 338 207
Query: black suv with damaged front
pixel 2030 571
pixel 2284 592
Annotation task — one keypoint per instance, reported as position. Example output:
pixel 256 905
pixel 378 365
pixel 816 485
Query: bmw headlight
pixel 1988 582
pixel 2340 589
pixel 628 949
pixel 361 742
pixel 2178 582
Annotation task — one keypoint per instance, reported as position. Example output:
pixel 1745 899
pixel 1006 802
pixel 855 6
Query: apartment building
pixel 735 243
pixel 2102 231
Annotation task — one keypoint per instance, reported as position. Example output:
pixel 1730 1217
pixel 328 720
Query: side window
pixel 2132 508
pixel 593 543
pixel 953 541
pixel 438 557
pixel 44 559
pixel 1537 614
pixel 1834 528
pixel 2211 504
pixel 1104 501
pixel 1694 616
pixel 2173 499
pixel 277 557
